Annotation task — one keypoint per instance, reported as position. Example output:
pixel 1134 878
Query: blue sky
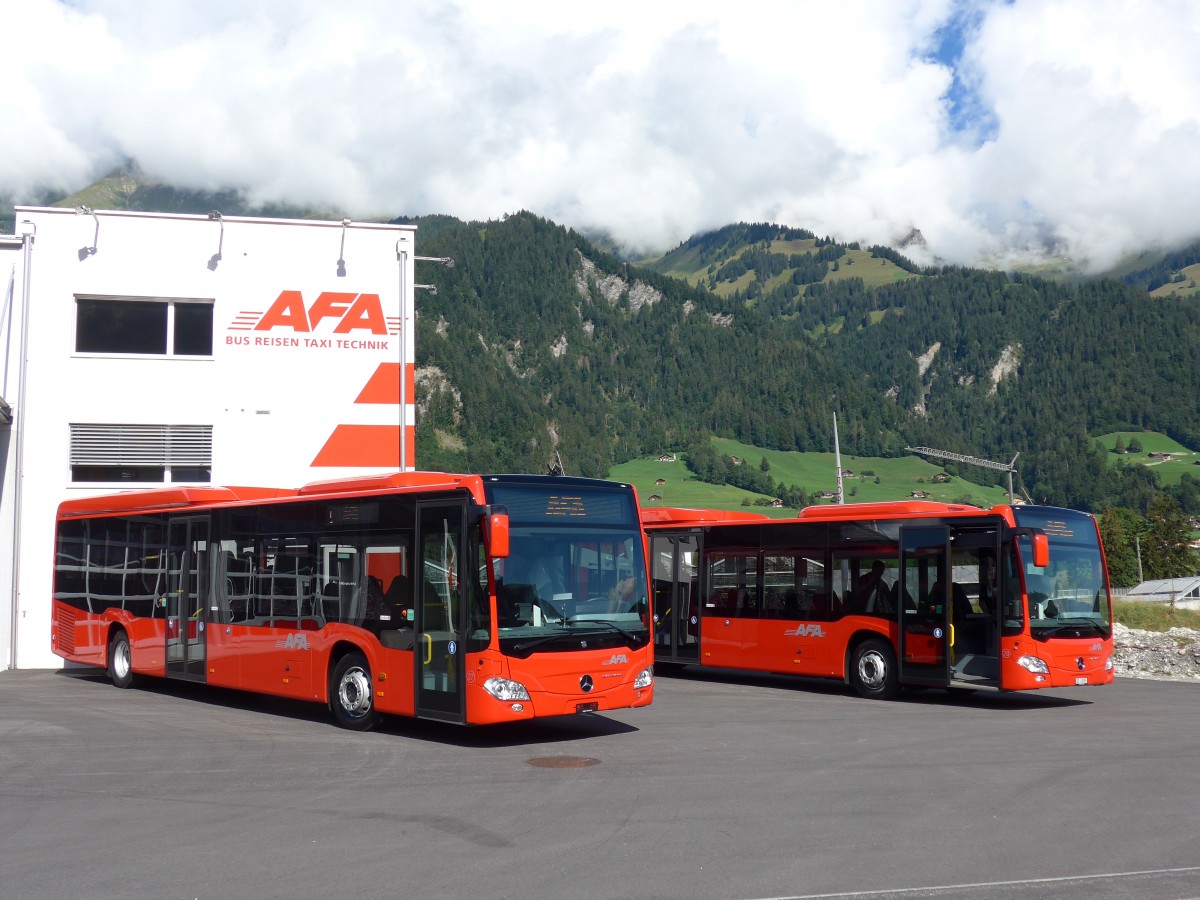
pixel 1007 131
pixel 969 115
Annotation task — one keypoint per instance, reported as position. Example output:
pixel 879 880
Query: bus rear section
pixel 376 595
pixel 885 595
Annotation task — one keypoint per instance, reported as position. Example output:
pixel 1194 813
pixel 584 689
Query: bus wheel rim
pixel 121 659
pixel 354 693
pixel 872 669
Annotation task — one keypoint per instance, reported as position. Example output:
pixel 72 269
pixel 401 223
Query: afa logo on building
pixel 345 312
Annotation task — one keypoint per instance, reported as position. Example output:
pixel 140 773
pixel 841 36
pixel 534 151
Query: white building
pixel 145 348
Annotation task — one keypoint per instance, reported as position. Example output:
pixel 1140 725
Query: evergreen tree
pixel 1119 547
pixel 1165 549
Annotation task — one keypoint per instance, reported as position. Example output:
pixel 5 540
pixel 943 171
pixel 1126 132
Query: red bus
pixel 462 598
pixel 883 595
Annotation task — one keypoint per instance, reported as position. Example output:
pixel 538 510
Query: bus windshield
pixel 1069 597
pixel 574 578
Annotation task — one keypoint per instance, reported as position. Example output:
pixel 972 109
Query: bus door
pixel 187 597
pixel 676 579
pixel 975 607
pixel 923 606
pixel 440 612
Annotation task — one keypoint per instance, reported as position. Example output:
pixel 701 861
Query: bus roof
pixel 892 509
pixel 178 498
pixel 673 515
pixel 889 509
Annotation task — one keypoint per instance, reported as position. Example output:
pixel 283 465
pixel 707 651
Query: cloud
pixel 1005 131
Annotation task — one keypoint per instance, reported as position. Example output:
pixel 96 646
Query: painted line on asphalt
pixel 892 892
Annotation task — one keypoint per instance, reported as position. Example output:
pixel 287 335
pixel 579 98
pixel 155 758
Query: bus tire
pixel 120 661
pixel 873 671
pixel 352 693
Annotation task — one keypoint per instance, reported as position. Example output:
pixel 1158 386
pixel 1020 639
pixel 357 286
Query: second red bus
pixel 884 595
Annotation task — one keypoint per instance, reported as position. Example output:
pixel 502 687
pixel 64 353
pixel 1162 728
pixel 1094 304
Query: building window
pixel 143 327
pixel 141 453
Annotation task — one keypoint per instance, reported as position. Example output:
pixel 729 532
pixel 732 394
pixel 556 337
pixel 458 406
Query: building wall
pixel 302 385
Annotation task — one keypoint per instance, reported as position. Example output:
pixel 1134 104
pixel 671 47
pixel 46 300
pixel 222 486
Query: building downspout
pixel 402 255
pixel 28 231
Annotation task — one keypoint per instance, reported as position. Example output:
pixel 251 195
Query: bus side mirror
pixel 1041 550
pixel 498 535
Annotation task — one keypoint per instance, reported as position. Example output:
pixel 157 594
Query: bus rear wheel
pixel 351 693
pixel 120 665
pixel 873 670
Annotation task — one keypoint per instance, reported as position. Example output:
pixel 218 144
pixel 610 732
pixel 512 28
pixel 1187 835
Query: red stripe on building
pixel 383 386
pixel 376 446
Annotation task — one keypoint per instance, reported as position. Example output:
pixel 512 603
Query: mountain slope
pixel 612 361
pixel 539 343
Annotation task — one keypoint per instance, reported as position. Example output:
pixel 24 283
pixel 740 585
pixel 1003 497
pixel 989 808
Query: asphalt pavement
pixel 730 787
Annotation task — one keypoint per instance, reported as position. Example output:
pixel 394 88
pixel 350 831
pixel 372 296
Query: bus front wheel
pixel 120 665
pixel 873 670
pixel 351 693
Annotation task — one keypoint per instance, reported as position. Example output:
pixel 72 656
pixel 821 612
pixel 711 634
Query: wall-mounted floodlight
pixel 444 260
pixel 341 263
pixel 213 260
pixel 432 288
pixel 85 252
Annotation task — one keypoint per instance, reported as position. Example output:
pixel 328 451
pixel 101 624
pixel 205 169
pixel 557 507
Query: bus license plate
pixel 586 707
pixel 1081 681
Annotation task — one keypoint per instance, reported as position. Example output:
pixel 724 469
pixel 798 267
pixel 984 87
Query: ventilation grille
pixel 141 445
pixel 66 617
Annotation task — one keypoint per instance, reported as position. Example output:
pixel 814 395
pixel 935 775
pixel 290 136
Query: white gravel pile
pixel 1173 654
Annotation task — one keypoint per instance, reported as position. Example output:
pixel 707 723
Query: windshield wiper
pixel 1076 625
pixel 628 635
pixel 522 649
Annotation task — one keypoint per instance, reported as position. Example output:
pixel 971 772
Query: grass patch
pixel 681 488
pixel 1170 471
pixel 1154 616
pixel 1185 288
pixel 898 479
pixel 873 272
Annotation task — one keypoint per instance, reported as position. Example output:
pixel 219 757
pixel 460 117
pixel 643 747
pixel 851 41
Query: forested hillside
pixel 535 337
pixel 539 343
pixel 537 340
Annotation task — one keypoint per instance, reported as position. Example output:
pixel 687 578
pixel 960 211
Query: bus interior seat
pixel 516 605
pixel 398 597
pixel 397 602
pixel 331 601
pixel 433 610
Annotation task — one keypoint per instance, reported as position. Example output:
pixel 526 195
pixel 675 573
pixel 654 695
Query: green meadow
pixel 868 479
pixel 1169 471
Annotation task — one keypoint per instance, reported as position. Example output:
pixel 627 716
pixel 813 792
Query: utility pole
pixel 972 461
pixel 837 460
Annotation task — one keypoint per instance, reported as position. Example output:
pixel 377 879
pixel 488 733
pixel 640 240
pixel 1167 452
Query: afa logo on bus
pixel 351 312
pixel 806 631
pixel 293 642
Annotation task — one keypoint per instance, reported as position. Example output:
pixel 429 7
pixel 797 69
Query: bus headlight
pixel 503 689
pixel 1033 664
pixel 1108 664
pixel 644 678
